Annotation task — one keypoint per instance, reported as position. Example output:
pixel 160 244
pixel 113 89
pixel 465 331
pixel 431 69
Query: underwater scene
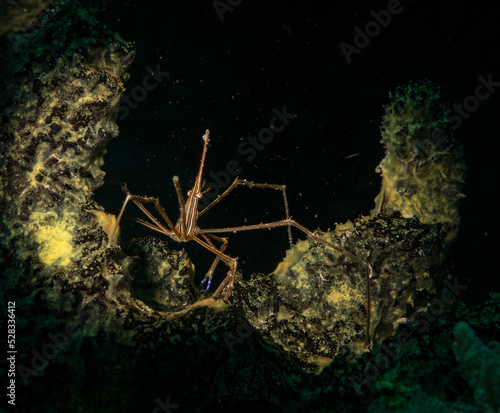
pixel 228 205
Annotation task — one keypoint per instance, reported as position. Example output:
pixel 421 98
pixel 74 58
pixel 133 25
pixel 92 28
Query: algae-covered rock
pixel 314 305
pixel 20 15
pixel 162 278
pixel 421 402
pixel 481 365
pixel 54 138
pixel 423 170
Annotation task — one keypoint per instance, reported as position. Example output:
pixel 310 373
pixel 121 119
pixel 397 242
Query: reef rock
pixel 314 305
pixel 481 365
pixel 423 170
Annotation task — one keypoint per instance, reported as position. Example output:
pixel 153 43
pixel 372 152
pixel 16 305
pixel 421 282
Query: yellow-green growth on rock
pixel 314 305
pixel 423 170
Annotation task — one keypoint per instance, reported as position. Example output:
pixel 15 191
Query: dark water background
pixel 227 75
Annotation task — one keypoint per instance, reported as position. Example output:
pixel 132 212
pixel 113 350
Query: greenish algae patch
pixel 423 170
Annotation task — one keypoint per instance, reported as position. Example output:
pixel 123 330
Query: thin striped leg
pixel 208 276
pixel 251 185
pixel 155 225
pixel 232 263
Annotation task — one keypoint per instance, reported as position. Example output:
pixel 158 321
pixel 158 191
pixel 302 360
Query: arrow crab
pixel 186 228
